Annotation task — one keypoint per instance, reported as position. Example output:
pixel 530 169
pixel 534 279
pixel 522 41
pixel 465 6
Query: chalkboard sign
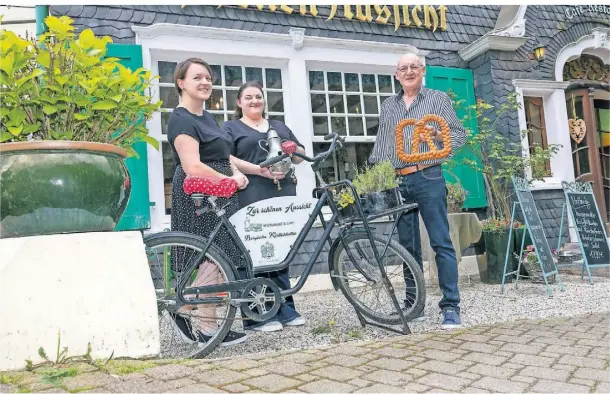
pixel 588 222
pixel 534 226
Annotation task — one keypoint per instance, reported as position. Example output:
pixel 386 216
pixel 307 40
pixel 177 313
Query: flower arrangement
pixel 496 225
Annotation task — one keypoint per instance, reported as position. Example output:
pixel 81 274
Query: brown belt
pixel 413 169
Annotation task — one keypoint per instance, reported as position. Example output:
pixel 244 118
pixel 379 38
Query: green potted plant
pixel 456 196
pixel 377 188
pixel 498 159
pixel 69 116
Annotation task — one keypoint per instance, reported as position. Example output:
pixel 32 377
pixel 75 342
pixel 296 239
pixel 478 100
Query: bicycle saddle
pixel 218 187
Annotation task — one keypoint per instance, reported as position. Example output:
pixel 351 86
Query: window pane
pixel 385 83
pixel 372 124
pixel 327 167
pixel 215 101
pixel 275 102
pixel 254 75
pixel 337 125
pixel 336 104
pixel 353 105
pixel 316 80
pixel 274 78
pixel 352 83
pixel 216 75
pixel 382 98
pixel 233 76
pixel 231 98
pixel 363 151
pixel 334 82
pixel 320 125
pixel 583 161
pixel 220 119
pixel 169 96
pixel 318 103
pixel 368 83
pixel 355 126
pixel 164 119
pixel 166 71
pixel 168 175
pixel 370 105
pixel 277 117
pixel 397 86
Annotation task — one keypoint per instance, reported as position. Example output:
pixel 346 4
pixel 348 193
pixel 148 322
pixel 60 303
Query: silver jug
pixel 274 149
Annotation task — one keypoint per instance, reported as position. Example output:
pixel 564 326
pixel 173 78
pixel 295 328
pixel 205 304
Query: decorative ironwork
pixel 586 67
pixel 577 187
pixel 521 183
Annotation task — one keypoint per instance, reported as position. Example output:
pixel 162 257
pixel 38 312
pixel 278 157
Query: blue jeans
pixel 427 188
pixel 287 310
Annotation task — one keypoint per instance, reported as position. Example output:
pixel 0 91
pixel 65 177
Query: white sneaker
pixel 269 327
pixel 297 321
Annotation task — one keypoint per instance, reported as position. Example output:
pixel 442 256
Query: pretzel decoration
pixel 420 130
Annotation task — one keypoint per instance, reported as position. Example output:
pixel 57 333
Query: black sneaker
pixel 232 338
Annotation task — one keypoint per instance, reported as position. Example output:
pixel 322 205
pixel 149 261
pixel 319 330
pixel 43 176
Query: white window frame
pixel 293 54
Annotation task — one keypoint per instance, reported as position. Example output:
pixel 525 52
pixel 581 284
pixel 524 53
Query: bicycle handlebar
pixel 316 160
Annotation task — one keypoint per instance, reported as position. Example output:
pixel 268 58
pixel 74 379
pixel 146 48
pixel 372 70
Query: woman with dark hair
pixel 200 149
pixel 247 130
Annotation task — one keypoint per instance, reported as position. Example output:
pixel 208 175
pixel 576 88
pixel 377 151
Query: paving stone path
pixel 558 355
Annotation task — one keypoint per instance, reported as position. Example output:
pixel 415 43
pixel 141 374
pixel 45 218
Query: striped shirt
pixel 393 110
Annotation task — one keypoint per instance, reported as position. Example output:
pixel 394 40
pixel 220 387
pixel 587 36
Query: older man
pixel 422 182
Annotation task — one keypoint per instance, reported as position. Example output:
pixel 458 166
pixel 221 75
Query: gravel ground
pixel 481 304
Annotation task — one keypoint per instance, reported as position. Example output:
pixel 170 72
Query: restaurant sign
pixel 581 10
pixel 422 16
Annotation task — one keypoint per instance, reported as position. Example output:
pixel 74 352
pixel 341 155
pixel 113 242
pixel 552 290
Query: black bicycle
pixel 198 290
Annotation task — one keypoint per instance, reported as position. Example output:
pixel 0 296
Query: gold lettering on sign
pixel 313 10
pixel 416 19
pixel 401 15
pixel 384 14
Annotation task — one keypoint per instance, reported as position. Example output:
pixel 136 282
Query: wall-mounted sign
pixel 422 16
pixel 581 10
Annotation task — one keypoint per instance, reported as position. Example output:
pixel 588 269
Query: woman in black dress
pixel 247 130
pixel 200 149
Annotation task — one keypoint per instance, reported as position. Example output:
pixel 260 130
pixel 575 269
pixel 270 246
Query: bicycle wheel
pixel 189 331
pixel 370 296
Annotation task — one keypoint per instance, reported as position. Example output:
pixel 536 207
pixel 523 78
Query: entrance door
pixel 586 154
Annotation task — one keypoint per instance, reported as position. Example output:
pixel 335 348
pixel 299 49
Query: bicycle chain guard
pixel 258 309
pixel 420 130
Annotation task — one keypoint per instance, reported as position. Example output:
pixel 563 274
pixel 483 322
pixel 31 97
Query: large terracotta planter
pixel 53 187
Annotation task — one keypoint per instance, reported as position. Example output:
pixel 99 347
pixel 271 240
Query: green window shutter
pixel 460 81
pixel 137 213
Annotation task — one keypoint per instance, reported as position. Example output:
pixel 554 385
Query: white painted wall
pixel 19 19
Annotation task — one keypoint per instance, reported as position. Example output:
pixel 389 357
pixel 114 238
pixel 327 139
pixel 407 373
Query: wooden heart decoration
pixel 578 129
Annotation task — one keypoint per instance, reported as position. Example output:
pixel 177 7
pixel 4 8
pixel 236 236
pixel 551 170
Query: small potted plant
pixel 69 117
pixel 378 188
pixel 529 260
pixel 456 196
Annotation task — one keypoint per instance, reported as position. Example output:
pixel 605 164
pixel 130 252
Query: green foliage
pixel 500 157
pixel 494 225
pixel 377 178
pixel 62 87
pixel 455 197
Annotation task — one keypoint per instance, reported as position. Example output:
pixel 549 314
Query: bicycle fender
pixel 335 245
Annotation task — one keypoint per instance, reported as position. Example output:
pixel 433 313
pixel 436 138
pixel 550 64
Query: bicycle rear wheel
pixel 371 296
pixel 189 331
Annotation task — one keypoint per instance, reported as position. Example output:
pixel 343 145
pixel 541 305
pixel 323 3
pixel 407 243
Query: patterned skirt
pixel 184 218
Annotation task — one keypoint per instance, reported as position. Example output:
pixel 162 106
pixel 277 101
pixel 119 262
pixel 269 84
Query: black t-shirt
pixel 246 139
pixel 214 144
pixel 246 147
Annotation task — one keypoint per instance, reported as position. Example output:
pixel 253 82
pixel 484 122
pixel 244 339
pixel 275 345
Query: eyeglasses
pixel 414 67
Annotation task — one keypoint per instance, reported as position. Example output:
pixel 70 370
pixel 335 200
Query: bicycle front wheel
pixel 189 331
pixel 358 275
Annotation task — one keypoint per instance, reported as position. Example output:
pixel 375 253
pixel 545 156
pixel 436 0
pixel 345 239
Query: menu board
pixel 536 230
pixel 589 227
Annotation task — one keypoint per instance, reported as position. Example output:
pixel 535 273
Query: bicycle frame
pixel 325 198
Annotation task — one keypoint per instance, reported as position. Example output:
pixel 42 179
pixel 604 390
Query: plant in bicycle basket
pixel 376 186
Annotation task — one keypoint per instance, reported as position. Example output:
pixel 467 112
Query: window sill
pixel 549 183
